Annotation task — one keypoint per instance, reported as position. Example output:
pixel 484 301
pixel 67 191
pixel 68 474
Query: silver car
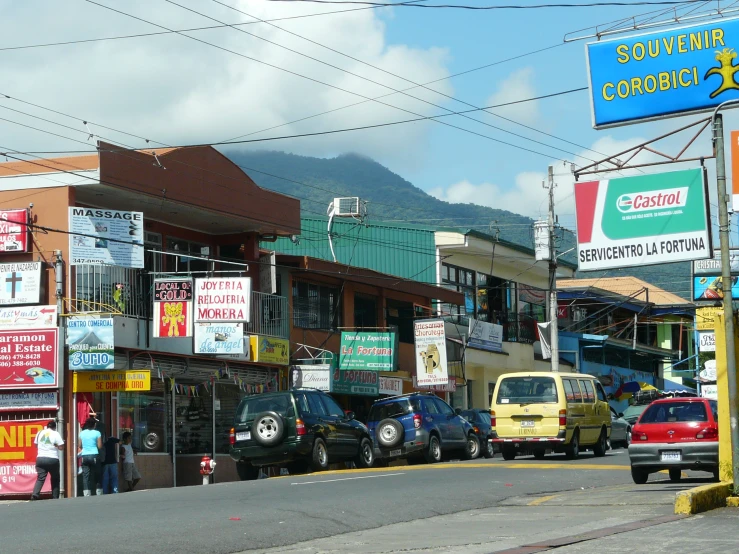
pixel 620 430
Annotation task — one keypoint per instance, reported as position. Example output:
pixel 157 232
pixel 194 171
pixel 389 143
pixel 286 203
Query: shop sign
pixel 219 338
pixel 317 376
pixel 270 350
pixel 222 299
pixel 28 359
pixel 430 343
pixel 20 283
pixel 563 312
pixel 367 350
pixel 18 456
pixel 709 391
pixel 485 336
pixel 14 231
pixel 451 386
pixel 707 342
pixel 642 220
pixel 268 273
pixel 664 73
pixel 106 237
pixel 391 385
pixel 704 317
pixel 44 400
pixel 711 287
pixel 91 342
pixel 366 383
pixel 28 317
pixel 170 290
pixel 708 373
pixel 133 380
pixel 712 266
pixel 172 319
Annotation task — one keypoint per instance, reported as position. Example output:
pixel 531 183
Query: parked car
pixel 299 428
pixel 620 430
pixel 482 426
pixel 675 434
pixel 419 426
pixel 631 413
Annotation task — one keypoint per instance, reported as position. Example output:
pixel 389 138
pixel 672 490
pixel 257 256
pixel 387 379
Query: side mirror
pixel 620 414
pixel 349 415
pixel 458 411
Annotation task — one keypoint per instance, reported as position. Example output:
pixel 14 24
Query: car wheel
pixel 389 433
pixel 639 476
pixel 539 453
pixel 572 450
pixel 675 474
pixel 509 453
pixel 151 441
pixel 472 449
pixel 488 450
pixel 268 429
pixel 320 455
pixel 433 452
pixel 601 446
pixel 246 472
pixel 366 456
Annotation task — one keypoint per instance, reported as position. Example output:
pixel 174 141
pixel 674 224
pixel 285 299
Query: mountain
pixel 316 181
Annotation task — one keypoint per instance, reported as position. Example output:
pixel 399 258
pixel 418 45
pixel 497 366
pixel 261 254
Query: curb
pixel 702 499
pixel 732 502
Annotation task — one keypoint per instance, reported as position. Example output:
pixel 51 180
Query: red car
pixel 675 434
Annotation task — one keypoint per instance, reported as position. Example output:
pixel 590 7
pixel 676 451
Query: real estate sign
pixel 367 350
pixel 643 220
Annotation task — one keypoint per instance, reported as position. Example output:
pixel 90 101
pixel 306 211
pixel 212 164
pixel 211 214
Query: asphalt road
pixel 276 512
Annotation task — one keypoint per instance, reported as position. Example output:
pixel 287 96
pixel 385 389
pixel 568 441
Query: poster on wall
pixel 20 283
pixel 106 237
pixel 91 343
pixel 642 220
pixel 28 359
pixel 222 299
pixel 360 350
pixel 430 345
pixel 315 376
pixel 18 456
pixel 14 231
pixel 219 338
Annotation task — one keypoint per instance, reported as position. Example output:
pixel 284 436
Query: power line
pixel 502 7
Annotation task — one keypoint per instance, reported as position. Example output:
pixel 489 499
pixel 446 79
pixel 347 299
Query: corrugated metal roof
pixel 626 286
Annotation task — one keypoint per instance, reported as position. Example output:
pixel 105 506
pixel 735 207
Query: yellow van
pixel 536 412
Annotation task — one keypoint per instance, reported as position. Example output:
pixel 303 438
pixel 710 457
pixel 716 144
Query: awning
pixel 673 386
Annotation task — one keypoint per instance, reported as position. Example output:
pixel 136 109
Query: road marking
pixel 347 479
pixel 542 500
pixel 604 467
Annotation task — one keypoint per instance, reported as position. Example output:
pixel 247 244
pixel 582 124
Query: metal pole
pixel 553 330
pixel 174 434
pixel 62 374
pixel 213 421
pixel 723 233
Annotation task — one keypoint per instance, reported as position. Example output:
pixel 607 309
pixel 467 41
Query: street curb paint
pixel 701 499
pixel 732 502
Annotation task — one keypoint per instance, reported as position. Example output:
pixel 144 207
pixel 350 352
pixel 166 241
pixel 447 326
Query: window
pixel 714 409
pixel 577 396
pixel 316 406
pixel 257 405
pixel 588 392
pixel 365 311
pixel 145 416
pixel 431 407
pixel 444 408
pixel 302 403
pixel 378 412
pixel 179 261
pixel 600 392
pixel 674 412
pixel 331 406
pixel 569 393
pixel 527 390
pixel 315 306
pixel 401 315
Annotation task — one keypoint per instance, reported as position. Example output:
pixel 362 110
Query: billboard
pixel 710 287
pixel 642 220
pixel 106 237
pixel 18 456
pixel 712 266
pixel 367 350
pixel 28 359
pixel 664 73
pixel 13 231
pixel 430 343
pixel 222 299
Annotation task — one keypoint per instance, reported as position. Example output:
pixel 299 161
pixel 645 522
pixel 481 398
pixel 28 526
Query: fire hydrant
pixel 207 466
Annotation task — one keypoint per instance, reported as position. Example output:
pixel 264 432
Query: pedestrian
pixel 91 442
pixel 113 452
pixel 131 474
pixel 49 444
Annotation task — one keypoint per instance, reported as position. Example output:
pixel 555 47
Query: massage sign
pixel 222 299
pixel 173 308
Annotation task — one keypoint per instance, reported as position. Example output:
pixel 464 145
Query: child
pixel 131 475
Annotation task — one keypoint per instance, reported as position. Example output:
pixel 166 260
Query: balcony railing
pixel 130 292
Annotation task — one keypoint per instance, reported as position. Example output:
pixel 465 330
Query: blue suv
pixel 419 425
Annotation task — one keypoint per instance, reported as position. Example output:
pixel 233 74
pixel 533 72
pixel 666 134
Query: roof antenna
pixel 157 159
pixel 494 225
pixel 88 130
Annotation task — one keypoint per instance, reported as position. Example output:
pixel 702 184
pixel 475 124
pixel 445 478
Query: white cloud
pixel 518 85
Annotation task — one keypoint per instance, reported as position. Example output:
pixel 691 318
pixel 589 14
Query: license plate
pixel 528 423
pixel 245 436
pixel 672 456
pixel 396 452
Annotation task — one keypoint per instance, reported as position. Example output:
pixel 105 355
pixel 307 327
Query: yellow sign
pixel 269 350
pixel 704 318
pixel 138 380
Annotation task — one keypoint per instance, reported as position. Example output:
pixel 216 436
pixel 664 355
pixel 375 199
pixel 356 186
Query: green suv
pixel 301 429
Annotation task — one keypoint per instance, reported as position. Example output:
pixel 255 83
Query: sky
pixel 175 90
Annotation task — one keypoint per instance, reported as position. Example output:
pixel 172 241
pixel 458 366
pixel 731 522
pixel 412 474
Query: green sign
pixel 366 383
pixel 365 350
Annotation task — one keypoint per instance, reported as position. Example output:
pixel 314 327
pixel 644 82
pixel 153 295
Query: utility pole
pixel 553 330
pixel 61 341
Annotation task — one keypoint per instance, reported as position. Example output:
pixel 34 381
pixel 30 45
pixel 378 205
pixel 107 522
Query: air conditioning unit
pixel 347 206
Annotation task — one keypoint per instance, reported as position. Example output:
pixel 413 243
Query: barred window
pixel 315 306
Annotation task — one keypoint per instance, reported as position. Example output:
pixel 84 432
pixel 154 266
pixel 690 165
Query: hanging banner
pixel 18 401
pixel 643 220
pixel 316 376
pixel 14 231
pixel 391 386
pixel 20 283
pixel 711 287
pixel 134 380
pixel 91 342
pixel 28 317
pixel 704 317
pixel 222 299
pixel 673 72
pixel 18 456
pixel 364 383
pixel 430 343
pixel 270 350
pixel 367 350
pixel 106 237
pixel 485 336
pixel 707 341
pixel 219 338
pixel 28 359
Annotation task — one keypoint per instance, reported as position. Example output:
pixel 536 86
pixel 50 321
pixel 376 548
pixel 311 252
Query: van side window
pixel 587 391
pixel 600 392
pixel 569 393
pixel 576 391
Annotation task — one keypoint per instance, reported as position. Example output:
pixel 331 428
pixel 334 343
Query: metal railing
pixel 519 328
pixel 269 315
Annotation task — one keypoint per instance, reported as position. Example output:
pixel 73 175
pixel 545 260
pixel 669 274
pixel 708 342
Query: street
pixel 479 506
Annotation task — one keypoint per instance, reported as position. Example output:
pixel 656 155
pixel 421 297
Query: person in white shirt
pixel 131 474
pixel 49 444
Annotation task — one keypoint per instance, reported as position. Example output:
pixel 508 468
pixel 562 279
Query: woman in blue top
pixel 91 441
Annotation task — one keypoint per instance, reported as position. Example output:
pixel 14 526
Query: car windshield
pixel 252 406
pixel 527 390
pixel 633 412
pixel 669 412
pixel 396 408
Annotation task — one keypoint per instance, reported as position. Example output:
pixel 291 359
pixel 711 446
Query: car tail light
pixel 492 418
pixel 476 429
pixel 638 435
pixel 417 421
pixel 232 436
pixel 707 433
pixel 563 418
pixel 300 427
